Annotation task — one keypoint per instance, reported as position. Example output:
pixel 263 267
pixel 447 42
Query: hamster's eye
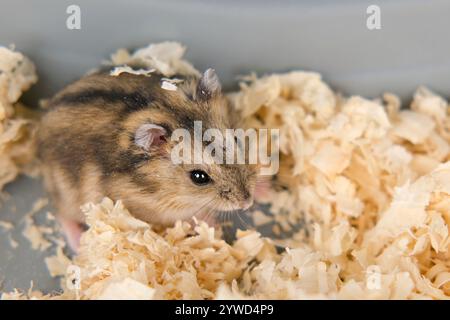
pixel 200 177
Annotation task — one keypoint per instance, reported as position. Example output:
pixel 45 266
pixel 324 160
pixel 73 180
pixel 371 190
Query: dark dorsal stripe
pixel 133 101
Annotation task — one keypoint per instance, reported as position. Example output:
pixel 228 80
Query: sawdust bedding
pixel 369 181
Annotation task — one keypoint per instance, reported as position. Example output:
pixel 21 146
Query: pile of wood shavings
pixel 17 74
pixel 123 257
pixel 164 57
pixel 371 181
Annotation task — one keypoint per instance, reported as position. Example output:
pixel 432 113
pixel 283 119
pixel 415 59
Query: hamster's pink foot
pixel 72 230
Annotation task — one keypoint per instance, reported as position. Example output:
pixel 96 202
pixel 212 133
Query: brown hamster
pixel 110 136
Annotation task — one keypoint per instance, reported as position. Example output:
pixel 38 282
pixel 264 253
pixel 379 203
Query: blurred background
pixel 408 47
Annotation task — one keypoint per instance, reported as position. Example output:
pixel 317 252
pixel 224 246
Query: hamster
pixel 110 136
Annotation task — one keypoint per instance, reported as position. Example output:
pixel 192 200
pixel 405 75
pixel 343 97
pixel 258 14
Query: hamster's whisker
pixel 213 210
pixel 246 224
pixel 228 213
pixel 202 207
pixel 208 215
pixel 225 215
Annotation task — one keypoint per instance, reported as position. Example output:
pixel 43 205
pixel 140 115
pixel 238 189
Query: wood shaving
pixel 57 265
pixel 6 225
pixel 38 205
pixel 17 129
pixel 126 69
pixel 166 85
pixel 13 243
pixel 127 289
pixel 166 57
pixel 35 235
pixel 259 218
pixel 49 216
pixel 170 84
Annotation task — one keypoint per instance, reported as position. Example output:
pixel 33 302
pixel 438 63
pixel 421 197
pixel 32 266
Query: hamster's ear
pixel 208 85
pixel 149 135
